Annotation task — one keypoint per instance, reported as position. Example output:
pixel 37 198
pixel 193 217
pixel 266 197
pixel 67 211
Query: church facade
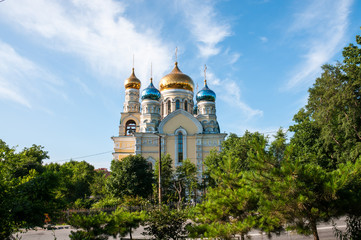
pixel 168 120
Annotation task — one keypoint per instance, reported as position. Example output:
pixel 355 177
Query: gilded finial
pixel 133 61
pixel 205 74
pixel 132 81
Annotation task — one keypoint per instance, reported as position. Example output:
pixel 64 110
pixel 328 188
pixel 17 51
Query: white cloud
pixel 229 92
pixel 18 76
pixel 263 39
pixel 209 31
pixel 85 89
pixel 321 28
pixel 7 93
pixel 206 28
pixel 234 58
pixel 96 31
pixel 232 96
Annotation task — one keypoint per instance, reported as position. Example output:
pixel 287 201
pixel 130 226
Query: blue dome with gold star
pixel 151 92
pixel 206 94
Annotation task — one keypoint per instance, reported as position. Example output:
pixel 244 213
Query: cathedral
pixel 168 120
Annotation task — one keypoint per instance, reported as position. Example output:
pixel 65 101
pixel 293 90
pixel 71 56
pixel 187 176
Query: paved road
pixel 62 233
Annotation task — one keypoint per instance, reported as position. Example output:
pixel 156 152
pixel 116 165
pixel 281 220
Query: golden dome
pixel 132 81
pixel 176 80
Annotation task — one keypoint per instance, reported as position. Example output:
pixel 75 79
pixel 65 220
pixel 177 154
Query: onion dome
pixel 176 80
pixel 132 81
pixel 151 92
pixel 206 94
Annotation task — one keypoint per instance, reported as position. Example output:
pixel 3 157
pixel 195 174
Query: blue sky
pixel 63 62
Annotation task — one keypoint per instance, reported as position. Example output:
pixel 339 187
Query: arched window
pixel 177 104
pixel 169 106
pixel 180 147
pixel 130 127
pixel 186 105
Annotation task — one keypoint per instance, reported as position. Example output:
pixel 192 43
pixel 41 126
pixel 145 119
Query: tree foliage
pixel 97 186
pixel 132 176
pixel 26 189
pixel 232 204
pixel 334 109
pixel 124 222
pixel 186 181
pixel 167 178
pixel 75 180
pixel 166 223
pixel 233 157
pixel 301 193
pixel 352 231
pixel 93 226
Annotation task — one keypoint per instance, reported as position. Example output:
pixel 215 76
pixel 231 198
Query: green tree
pixel 327 132
pixel 232 206
pixel 132 176
pixel 300 193
pixel 235 148
pixel 97 186
pixel 186 181
pixel 107 202
pixel 167 178
pixel 278 146
pixel 93 226
pixel 76 179
pixel 307 143
pixel 100 225
pixel 228 209
pixel 352 231
pixel 166 223
pixel 334 105
pixel 26 189
pixel 124 222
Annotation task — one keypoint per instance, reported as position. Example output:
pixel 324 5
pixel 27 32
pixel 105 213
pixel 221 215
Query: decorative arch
pixel 130 127
pixel 151 161
pixel 169 107
pixel 177 112
pixel 209 130
pixel 180 135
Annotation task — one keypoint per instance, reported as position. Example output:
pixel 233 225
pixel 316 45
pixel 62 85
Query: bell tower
pixel 129 120
pixel 206 108
pixel 150 116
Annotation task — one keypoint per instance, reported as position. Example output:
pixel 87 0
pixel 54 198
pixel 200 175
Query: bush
pixel 94 225
pixel 166 223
